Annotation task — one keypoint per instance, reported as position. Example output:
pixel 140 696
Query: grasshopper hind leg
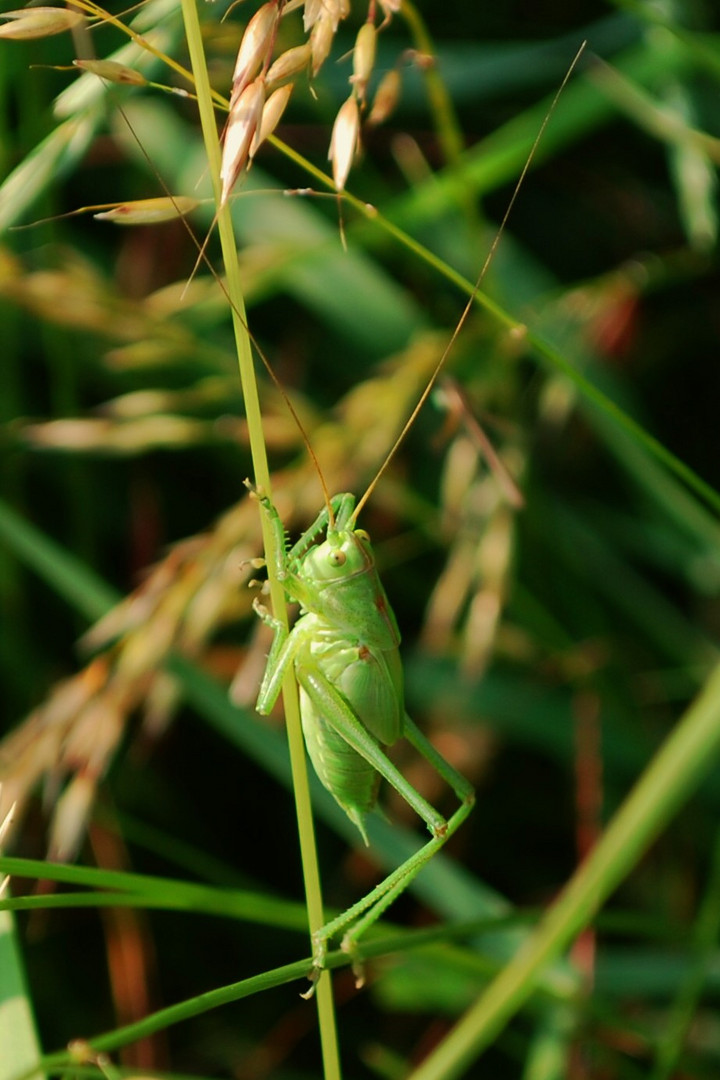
pixel 360 916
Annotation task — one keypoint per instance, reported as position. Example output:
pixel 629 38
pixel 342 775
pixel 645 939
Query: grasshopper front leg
pixel 279 659
pixel 287 561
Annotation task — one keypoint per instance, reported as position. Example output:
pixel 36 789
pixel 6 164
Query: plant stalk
pixel 326 1015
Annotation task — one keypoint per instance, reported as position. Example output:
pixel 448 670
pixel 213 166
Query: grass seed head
pixel 273 109
pixel 386 97
pixel 344 141
pixel 290 63
pixel 254 46
pixel 363 59
pixel 149 211
pixel 312 12
pixel 72 813
pixel 321 39
pixel 130 437
pixel 38 22
pixel 334 10
pixel 243 122
pixel 112 71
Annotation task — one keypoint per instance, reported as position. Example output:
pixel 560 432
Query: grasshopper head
pixel 342 555
pixel 345 590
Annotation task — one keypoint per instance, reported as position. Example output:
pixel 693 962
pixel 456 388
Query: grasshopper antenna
pixel 203 257
pixel 473 295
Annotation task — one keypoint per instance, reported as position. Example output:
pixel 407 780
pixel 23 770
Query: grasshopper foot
pixel 349 946
pixel 313 976
pixel 319 944
pixel 260 610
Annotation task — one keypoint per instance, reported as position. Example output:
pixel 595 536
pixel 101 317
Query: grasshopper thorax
pixel 343 588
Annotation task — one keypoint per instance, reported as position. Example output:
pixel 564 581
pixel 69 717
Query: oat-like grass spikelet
pixel 345 141
pixel 290 63
pixel 478 527
pixel 243 125
pixel 253 51
pixel 386 97
pixel 363 59
pixel 272 112
pixel 29 23
pixel 112 71
pixel 245 131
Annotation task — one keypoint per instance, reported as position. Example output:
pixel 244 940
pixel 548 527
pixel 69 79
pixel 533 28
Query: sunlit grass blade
pixel 52 159
pixel 18 1038
pixel 169 894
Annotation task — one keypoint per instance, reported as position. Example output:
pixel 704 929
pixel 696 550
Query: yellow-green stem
pixel 441 104
pixel 443 114
pixel 262 477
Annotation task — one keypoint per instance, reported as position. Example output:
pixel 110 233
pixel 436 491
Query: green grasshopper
pixel 345 652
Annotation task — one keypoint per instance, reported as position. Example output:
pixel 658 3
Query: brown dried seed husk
pixel 72 813
pixel 321 40
pixel 272 112
pixel 112 71
pixel 253 47
pixel 149 211
pixel 386 97
pixel 313 10
pixel 340 9
pixel 422 61
pixel 290 63
pixel 244 120
pixel 119 437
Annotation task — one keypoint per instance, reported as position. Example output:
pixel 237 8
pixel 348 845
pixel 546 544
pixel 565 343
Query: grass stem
pixel 311 875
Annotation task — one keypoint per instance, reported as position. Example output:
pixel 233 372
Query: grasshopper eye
pixel 337 558
pixel 363 535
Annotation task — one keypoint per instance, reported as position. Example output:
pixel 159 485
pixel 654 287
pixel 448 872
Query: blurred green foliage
pixel 549 648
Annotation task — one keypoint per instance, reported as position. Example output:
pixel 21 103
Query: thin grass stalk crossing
pixel 311 874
